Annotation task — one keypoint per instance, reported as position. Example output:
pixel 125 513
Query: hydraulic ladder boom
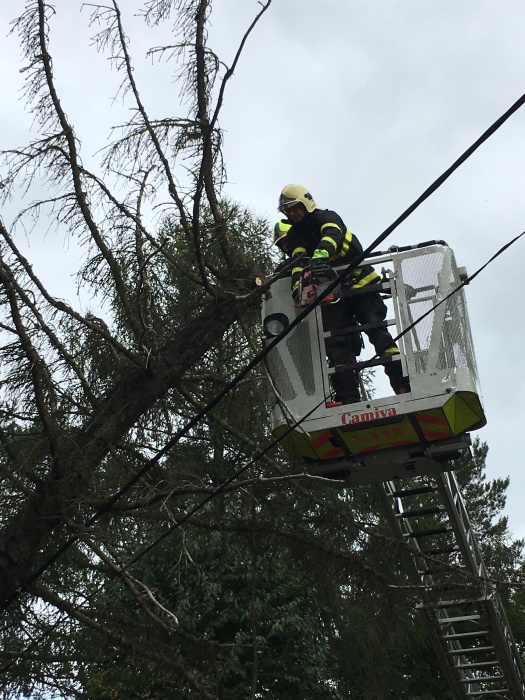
pixel 462 608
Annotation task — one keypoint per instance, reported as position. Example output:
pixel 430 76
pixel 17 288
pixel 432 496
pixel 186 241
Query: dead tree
pixel 63 412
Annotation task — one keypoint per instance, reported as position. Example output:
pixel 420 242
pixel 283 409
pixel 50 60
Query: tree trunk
pixel 122 406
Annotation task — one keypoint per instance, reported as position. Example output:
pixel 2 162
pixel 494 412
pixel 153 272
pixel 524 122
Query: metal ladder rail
pixel 435 607
pixel 401 528
pixel 501 634
pixel 486 628
pixel 456 666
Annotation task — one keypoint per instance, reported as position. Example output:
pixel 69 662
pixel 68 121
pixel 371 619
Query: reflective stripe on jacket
pixel 323 229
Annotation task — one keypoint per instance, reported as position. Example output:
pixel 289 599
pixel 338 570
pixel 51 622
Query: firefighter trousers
pixel 341 350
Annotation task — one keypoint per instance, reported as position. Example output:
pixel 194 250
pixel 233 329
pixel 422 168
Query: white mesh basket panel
pixel 441 337
pixel 299 347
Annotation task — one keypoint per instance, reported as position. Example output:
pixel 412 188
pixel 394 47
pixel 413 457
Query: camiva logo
pixel 376 414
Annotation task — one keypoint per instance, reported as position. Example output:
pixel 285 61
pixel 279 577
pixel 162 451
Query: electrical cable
pixel 166 533
pixel 254 460
pixel 106 507
pixel 441 301
pixel 291 427
pixel 298 423
pixel 301 316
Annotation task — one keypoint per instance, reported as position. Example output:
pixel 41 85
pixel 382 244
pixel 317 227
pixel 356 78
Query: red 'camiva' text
pixel 376 414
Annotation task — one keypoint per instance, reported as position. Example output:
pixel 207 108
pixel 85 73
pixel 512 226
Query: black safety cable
pixel 221 488
pixel 426 194
pixel 301 316
pixel 291 427
pixel 106 507
pixel 463 284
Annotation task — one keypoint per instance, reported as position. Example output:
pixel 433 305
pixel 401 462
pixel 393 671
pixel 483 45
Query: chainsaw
pixel 313 281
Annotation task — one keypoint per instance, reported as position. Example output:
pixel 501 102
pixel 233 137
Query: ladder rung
pixel 455 602
pixel 442 588
pixel 441 550
pixel 442 571
pixel 485 679
pixel 421 511
pixel 413 492
pixel 470 650
pixel 464 635
pixel 487 693
pixel 478 664
pixel 462 618
pixel 427 533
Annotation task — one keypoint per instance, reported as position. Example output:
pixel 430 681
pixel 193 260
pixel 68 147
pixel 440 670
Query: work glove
pixel 320 257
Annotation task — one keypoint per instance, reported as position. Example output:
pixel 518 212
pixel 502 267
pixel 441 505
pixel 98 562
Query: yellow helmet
pixel 293 194
pixel 280 231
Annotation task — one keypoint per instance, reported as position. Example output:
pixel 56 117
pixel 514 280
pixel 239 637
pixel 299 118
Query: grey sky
pixel 366 103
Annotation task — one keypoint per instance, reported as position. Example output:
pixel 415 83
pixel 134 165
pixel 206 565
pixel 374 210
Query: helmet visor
pixel 286 202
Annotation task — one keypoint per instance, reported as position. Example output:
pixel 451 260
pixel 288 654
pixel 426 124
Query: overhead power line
pixel 123 567
pixel 296 424
pixel 184 430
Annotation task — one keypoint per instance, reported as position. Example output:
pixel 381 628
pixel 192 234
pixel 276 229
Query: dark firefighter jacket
pixel 323 229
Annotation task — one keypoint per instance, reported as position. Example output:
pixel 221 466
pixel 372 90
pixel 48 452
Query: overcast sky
pixel 366 102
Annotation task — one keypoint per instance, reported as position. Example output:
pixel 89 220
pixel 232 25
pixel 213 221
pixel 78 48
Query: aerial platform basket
pixel 390 435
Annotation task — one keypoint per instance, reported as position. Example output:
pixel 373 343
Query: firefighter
pixel 320 234
pixel 280 235
pixel 280 240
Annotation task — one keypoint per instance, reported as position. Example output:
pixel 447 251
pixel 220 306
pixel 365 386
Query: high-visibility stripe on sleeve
pixel 330 224
pixel 367 279
pixel 346 243
pixel 327 239
pixel 297 251
pixel 297 270
pixel 390 351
